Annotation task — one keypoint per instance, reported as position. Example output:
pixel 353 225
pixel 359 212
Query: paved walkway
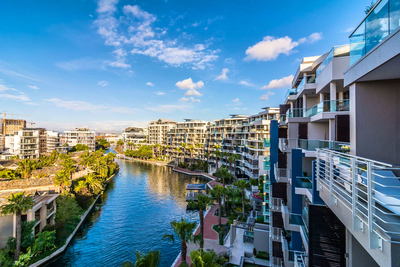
pixel 239 247
pixel 210 236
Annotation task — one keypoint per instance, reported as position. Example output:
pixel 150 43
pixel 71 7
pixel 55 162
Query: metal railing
pixel 312 145
pixel 336 51
pixel 368 189
pixel 324 106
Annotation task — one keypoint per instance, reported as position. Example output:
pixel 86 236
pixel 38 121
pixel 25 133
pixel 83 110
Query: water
pixel 133 214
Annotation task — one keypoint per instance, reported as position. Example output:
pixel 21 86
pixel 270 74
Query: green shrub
pixel 263 255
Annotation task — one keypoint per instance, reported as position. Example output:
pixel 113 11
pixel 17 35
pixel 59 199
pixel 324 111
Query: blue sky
pixel 110 64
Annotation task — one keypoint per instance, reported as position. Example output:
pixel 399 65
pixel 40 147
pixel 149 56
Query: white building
pixel 158 131
pixel 81 136
pixel 26 143
pixel 133 137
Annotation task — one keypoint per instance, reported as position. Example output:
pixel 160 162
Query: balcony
pixel 337 51
pixel 290 95
pixel 322 107
pixel 382 20
pixel 312 145
pixel 283 144
pixel 364 195
pixel 281 174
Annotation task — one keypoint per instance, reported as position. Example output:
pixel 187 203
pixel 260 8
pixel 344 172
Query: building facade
pixel 81 136
pixel 158 131
pixel 9 126
pixel 134 137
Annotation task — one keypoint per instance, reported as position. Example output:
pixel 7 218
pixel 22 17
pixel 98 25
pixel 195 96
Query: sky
pixel 111 64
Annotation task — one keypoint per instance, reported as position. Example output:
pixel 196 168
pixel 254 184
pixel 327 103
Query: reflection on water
pixel 133 214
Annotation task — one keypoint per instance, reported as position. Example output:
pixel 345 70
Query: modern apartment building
pixel 53 142
pixel 43 212
pixel 158 131
pixel 247 137
pixel 28 143
pixel 133 137
pixel 81 136
pixel 191 132
pixel 9 126
pixel 333 190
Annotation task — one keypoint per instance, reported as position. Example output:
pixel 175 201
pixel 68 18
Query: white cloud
pixel 184 99
pixel 120 55
pixel 34 87
pixel 170 108
pixel 312 38
pixel 124 110
pixel 267 95
pixel 193 92
pixel 5 88
pixel 81 64
pixel 236 100
pixel 245 83
pixel 21 97
pixel 102 83
pixel 105 6
pixel 196 24
pixel 223 75
pixel 160 93
pixel 189 84
pixel 229 61
pixel 270 48
pixel 142 39
pixel 349 30
pixel 14 73
pixel 150 84
pixel 75 105
pixel 279 83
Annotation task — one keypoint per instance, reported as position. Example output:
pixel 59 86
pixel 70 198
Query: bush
pixel 254 182
pixel 263 255
pixel 79 147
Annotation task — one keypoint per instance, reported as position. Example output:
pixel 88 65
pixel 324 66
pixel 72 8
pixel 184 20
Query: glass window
pixel 377 27
pixel 394 9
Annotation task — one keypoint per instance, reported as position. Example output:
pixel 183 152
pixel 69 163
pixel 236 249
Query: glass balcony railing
pixel 290 92
pixel 382 20
pixel 306 80
pixel 336 51
pixel 312 145
pixel 304 182
pixel 267 142
pixel 324 106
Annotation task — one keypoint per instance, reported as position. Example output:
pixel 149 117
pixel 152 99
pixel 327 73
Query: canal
pixel 132 215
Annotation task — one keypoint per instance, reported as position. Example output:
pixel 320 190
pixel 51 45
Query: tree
pixel 217 194
pixel 202 202
pixel 178 151
pixel 94 183
pixel 167 148
pixel 100 167
pixel 62 180
pixel 236 157
pixel 26 167
pixel 232 194
pixel 81 186
pixel 67 208
pixel 202 258
pixel 191 150
pixel 151 259
pixel 184 146
pixel 18 203
pixel 184 230
pixel 198 146
pixel 242 184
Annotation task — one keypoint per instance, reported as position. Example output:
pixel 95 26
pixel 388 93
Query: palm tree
pixel 62 180
pixel 202 202
pixel 218 155
pixel 81 186
pixel 184 230
pixel 178 151
pixel 168 147
pixel 87 159
pixel 18 203
pixel 191 150
pixel 151 259
pixel 207 156
pixel 232 193
pixel 94 183
pixel 231 160
pixel 242 184
pixel 69 168
pixel 100 167
pixel 198 146
pixel 217 193
pixel 236 158
pixel 202 258
pixel 26 167
pixel 226 155
pixel 184 146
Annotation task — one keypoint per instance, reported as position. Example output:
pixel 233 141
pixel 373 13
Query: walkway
pixel 239 247
pixel 210 184
pixel 210 236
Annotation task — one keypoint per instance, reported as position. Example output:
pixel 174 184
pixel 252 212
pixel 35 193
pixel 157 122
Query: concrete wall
pixel 312 101
pixel 6 229
pixel 261 238
pixel 318 131
pixel 307 165
pixel 357 254
pixel 333 71
pixel 375 120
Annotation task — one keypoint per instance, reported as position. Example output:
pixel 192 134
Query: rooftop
pixel 196 187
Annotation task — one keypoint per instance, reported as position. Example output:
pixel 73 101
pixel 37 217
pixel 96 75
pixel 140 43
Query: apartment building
pixel 28 143
pixel 191 132
pixel 247 137
pixel 53 142
pixel 332 195
pixel 158 131
pixel 81 136
pixel 9 126
pixel 43 212
pixel 133 137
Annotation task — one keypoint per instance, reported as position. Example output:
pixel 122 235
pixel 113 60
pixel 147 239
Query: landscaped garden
pixel 76 197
